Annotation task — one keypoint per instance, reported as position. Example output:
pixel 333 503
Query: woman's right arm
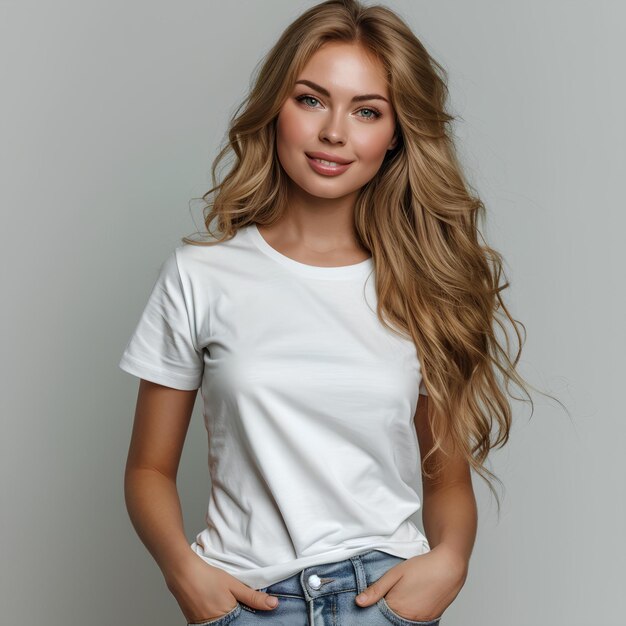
pixel 162 419
pixel 202 591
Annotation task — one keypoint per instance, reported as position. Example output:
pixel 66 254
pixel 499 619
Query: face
pixel 321 116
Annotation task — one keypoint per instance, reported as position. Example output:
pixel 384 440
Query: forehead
pixel 345 70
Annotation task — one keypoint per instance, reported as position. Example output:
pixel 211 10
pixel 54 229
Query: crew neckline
pixel 336 272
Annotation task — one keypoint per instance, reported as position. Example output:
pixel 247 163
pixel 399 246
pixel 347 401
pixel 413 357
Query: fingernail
pixel 361 597
pixel 272 601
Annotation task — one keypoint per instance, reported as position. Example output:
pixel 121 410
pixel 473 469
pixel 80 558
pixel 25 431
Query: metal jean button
pixel 314 581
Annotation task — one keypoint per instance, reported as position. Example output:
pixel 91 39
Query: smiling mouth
pixel 327 168
pixel 333 163
pixel 327 162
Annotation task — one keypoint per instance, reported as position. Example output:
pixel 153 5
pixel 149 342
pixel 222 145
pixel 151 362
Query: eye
pixel 374 111
pixel 302 98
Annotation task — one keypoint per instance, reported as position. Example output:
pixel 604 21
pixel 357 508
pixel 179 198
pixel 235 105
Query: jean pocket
pixel 227 618
pixel 398 620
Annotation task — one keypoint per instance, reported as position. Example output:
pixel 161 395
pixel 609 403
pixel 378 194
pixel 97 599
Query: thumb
pixel 254 598
pixel 377 589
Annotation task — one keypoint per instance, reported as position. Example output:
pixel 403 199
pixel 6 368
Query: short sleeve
pixel 162 348
pixel 423 388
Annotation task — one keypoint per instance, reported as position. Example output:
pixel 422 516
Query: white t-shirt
pixel 308 402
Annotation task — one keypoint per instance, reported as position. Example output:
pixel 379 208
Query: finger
pixel 255 598
pixel 379 588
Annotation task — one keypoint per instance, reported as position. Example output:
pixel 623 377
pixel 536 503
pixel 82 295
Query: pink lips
pixel 327 170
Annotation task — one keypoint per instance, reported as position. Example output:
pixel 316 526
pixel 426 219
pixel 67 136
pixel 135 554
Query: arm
pixel 449 510
pixel 161 422
pixel 203 592
pixel 422 587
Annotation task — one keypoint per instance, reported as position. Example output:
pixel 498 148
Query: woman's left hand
pixel 422 587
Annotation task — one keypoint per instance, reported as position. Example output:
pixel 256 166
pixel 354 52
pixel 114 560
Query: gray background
pixel 111 113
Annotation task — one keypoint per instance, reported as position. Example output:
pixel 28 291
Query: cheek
pixel 291 132
pixel 372 146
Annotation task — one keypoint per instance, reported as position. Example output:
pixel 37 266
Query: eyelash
pixel 376 112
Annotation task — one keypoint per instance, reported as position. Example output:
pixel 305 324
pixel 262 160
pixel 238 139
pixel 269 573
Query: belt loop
pixel 359 570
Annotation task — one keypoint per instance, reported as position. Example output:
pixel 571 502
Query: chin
pixel 331 190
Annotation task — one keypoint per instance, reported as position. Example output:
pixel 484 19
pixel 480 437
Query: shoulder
pixel 207 255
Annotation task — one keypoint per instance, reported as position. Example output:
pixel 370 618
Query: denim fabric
pixel 332 603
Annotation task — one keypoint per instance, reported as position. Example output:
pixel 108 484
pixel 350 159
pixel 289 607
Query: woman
pixel 339 324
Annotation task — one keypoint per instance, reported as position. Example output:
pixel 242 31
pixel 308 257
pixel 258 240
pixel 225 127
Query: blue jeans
pixel 324 595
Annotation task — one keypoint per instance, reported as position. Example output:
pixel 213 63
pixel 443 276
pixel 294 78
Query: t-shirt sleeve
pixel 162 348
pixel 423 388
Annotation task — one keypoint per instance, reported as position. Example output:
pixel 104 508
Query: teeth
pixel 326 162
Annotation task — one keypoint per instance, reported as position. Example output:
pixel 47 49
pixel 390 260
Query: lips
pixel 324 169
pixel 333 158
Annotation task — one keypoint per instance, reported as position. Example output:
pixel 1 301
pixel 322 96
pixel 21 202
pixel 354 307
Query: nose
pixel 332 136
pixel 333 131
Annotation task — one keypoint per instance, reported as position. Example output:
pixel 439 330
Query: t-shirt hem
pixel 265 576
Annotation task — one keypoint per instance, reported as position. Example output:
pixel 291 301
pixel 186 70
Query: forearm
pixel 154 508
pixel 450 518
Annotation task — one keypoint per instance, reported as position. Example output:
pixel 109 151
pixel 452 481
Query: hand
pixel 422 587
pixel 204 592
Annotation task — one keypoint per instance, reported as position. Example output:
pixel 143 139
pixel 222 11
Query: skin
pixel 318 229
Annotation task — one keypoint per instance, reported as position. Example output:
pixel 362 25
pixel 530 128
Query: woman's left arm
pixel 449 511
pixel 422 587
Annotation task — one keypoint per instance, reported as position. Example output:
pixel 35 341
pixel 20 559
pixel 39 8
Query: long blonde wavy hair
pixel 437 281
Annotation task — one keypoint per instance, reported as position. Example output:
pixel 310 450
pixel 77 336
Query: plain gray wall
pixel 111 114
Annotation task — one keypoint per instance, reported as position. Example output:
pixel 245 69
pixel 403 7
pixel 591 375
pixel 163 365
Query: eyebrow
pixel 367 96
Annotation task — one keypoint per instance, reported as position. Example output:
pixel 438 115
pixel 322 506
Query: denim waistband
pixel 353 574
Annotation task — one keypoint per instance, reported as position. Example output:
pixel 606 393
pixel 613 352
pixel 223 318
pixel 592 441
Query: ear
pixel 394 140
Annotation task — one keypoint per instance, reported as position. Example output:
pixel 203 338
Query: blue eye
pixel 374 111
pixel 302 98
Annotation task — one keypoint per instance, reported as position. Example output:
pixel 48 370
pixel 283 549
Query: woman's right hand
pixel 204 592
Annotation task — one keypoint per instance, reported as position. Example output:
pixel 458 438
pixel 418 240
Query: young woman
pixel 340 325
